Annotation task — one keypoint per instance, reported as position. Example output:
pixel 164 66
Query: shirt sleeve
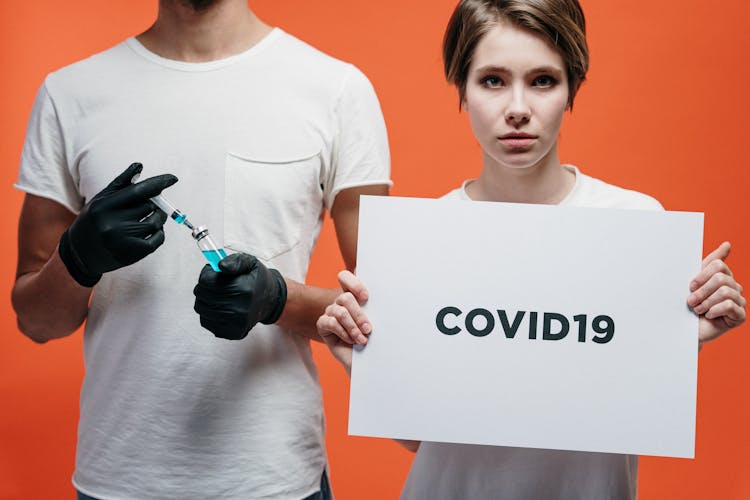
pixel 360 149
pixel 44 168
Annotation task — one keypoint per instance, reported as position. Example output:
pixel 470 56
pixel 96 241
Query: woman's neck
pixel 181 33
pixel 547 183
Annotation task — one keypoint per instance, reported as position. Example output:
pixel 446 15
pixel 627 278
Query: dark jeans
pixel 323 494
pixel 325 490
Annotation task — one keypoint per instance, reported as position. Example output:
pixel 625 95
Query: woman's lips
pixel 517 141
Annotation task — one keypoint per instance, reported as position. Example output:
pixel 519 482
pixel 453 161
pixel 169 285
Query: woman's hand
pixel 344 323
pixel 716 297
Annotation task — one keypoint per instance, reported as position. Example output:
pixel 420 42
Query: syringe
pixel 172 211
pixel 211 251
pixel 168 208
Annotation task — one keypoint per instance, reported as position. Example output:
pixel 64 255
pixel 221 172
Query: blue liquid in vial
pixel 179 218
pixel 213 257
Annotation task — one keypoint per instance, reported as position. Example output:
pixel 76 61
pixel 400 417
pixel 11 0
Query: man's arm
pixel 306 303
pixel 117 227
pixel 48 302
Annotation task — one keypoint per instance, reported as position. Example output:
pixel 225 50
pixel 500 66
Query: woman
pixel 517 65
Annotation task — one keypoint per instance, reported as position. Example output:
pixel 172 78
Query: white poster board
pixel 469 302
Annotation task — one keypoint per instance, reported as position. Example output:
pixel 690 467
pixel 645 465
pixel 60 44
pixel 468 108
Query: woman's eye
pixel 492 82
pixel 544 81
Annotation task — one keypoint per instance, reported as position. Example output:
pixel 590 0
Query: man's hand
pixel 344 323
pixel 716 297
pixel 244 293
pixel 117 227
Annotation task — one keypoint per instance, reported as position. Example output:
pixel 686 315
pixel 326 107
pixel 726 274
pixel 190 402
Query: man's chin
pixel 199 5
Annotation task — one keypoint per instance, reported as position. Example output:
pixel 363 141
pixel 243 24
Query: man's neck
pixel 226 28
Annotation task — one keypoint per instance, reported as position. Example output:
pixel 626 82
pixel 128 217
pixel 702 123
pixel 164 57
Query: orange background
pixel 665 111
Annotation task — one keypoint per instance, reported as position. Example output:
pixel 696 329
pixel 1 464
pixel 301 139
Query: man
pixel 264 134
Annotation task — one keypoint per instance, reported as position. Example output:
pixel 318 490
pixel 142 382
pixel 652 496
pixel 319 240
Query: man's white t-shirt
pixel 261 142
pixel 446 471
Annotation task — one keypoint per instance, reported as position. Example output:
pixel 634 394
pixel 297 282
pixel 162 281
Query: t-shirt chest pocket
pixel 269 200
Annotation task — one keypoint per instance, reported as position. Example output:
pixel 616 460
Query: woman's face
pixel 516 94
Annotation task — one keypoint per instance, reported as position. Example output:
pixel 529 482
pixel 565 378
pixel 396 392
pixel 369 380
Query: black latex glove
pixel 244 293
pixel 114 229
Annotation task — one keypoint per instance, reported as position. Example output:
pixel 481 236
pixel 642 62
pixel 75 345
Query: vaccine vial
pixel 211 251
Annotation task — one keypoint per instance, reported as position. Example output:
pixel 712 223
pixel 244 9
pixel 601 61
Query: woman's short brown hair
pixel 560 22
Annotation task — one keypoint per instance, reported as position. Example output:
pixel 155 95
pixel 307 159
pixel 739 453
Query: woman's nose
pixel 518 111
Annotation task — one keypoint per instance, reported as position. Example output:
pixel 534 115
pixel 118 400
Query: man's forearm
pixel 304 304
pixel 49 304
